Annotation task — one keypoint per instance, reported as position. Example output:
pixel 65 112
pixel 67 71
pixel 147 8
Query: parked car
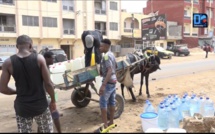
pixel 179 49
pixel 159 51
pixel 59 54
pixel 4 56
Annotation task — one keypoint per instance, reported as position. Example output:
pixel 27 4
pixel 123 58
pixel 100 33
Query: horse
pixel 145 67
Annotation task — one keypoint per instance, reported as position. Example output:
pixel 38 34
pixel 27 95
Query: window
pixel 49 22
pixel 113 5
pixel 185 12
pixel 30 20
pixel 113 26
pixel 68 5
pixel 6 1
pixel 50 0
pixel 195 1
pixel 124 24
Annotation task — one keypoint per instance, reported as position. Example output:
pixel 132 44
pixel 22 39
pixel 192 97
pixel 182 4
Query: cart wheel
pixel 78 100
pixel 119 107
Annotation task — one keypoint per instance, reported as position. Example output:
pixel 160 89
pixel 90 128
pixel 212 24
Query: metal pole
pixel 132 29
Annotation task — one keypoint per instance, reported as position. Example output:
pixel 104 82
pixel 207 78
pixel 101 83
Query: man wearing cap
pixel 91 39
pixel 107 91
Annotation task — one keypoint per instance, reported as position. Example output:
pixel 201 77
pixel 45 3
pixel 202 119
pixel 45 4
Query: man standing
pixel 49 57
pixel 107 91
pixel 207 49
pixel 30 73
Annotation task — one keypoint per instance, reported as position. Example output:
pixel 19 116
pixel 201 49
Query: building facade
pixel 58 23
pixel 181 11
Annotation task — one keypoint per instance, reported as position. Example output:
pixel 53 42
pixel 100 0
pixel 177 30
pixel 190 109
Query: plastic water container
pixel 68 65
pixel 208 108
pixel 150 108
pixel 145 105
pixel 178 106
pixel 185 109
pixel 154 130
pixel 83 61
pixel 159 106
pixel 149 120
pixel 77 64
pixel 193 106
pixel 162 118
pixel 176 130
pixel 201 105
pixel 173 120
pixel 56 73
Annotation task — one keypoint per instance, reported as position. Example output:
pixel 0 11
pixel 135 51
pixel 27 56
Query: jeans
pixel 108 98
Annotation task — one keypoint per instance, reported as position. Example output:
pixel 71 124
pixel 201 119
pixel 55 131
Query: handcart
pixel 81 95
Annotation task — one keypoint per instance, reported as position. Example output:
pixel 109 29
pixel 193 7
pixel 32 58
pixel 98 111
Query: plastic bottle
pixel 160 105
pixel 162 118
pixel 201 105
pixel 193 106
pixel 178 106
pixel 208 108
pixel 169 99
pixel 185 109
pixel 168 109
pixel 187 99
pixel 149 107
pixel 145 105
pixel 173 121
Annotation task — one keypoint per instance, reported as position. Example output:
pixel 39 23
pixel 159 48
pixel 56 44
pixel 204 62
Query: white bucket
pixel 176 130
pixel 149 120
pixel 154 130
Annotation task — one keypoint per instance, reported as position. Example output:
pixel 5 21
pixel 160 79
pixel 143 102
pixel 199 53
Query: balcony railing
pixel 69 31
pixel 5 28
pixel 100 11
pixel 128 30
pixel 8 2
pixel 102 31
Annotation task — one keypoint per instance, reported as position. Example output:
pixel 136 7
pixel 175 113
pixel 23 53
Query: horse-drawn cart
pixel 81 95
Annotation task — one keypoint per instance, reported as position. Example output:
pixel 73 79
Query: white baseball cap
pixel 89 41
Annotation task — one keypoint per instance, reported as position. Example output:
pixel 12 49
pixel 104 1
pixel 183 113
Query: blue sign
pixel 200 20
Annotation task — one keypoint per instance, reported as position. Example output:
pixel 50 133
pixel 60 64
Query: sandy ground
pixel 88 119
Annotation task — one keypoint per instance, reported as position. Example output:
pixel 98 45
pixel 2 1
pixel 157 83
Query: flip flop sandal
pixel 99 130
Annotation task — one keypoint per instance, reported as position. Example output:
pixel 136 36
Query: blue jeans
pixel 108 98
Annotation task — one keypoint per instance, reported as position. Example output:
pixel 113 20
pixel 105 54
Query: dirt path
pixel 88 119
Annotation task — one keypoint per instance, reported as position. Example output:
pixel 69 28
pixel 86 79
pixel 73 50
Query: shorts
pixel 108 98
pixel 44 122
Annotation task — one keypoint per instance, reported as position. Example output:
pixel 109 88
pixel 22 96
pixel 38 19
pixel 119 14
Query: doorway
pixel 66 49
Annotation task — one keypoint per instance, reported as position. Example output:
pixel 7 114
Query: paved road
pixel 175 69
pixel 182 68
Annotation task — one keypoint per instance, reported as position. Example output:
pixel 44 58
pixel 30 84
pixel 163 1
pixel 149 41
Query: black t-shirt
pixel 97 35
pixel 31 97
